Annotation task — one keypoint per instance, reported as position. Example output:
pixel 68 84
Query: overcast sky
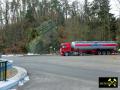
pixel 115 6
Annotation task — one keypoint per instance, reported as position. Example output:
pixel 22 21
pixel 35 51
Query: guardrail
pixel 3 70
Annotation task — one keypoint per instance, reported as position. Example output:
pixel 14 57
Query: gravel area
pixel 11 73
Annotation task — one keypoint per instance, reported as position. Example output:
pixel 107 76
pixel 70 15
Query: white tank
pixel 94 45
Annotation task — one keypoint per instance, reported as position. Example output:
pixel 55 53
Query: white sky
pixel 115 6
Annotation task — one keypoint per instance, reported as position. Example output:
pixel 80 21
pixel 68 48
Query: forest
pixel 39 26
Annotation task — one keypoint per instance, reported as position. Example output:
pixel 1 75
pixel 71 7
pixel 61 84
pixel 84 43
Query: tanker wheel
pixel 103 52
pixel 99 52
pixel 108 52
pixel 67 54
pixel 81 54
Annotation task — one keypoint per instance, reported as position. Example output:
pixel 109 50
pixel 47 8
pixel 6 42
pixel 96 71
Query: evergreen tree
pixel 101 11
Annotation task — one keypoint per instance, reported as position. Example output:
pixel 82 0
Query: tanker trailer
pixel 88 47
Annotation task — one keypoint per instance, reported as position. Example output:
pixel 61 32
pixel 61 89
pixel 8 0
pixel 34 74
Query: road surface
pixel 67 73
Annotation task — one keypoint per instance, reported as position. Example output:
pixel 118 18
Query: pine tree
pixel 101 12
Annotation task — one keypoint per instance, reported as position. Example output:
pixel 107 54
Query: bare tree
pixel 1 15
pixel 6 12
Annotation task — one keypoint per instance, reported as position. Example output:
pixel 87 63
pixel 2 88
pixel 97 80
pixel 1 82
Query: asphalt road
pixel 67 73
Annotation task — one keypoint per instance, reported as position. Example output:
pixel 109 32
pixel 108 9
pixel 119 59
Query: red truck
pixel 88 47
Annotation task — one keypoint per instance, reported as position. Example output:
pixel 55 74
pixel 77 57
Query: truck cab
pixel 65 48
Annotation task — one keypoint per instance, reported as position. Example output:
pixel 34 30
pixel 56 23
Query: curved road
pixel 67 73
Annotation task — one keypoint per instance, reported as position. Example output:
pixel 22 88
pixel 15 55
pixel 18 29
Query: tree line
pixel 39 26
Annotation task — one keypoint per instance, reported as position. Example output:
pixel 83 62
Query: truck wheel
pixel 103 52
pixel 81 54
pixel 108 52
pixel 99 52
pixel 66 54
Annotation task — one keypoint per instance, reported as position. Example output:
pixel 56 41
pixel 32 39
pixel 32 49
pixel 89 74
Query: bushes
pixel 47 37
pixel 16 48
pixel 38 46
